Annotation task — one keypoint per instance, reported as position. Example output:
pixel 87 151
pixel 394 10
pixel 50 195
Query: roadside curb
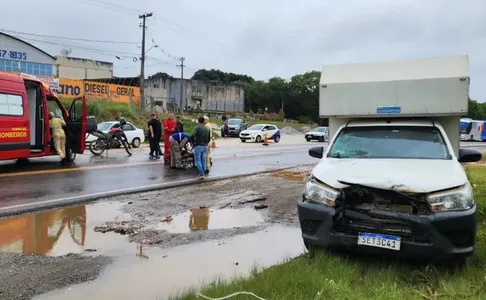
pixel 55 203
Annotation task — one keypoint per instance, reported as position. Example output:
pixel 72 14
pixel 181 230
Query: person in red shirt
pixel 169 128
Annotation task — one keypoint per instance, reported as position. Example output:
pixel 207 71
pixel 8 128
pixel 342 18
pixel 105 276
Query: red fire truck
pixel 24 120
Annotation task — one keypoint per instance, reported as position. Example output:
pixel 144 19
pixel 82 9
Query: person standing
pixel 179 125
pixel 157 145
pixel 169 128
pixel 155 134
pixel 58 135
pixel 177 143
pixel 208 153
pixel 200 139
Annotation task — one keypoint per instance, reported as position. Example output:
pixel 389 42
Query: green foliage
pixel 160 75
pixel 108 111
pixel 218 76
pixel 476 111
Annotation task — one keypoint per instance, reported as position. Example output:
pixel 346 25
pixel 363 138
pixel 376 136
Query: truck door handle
pixel 25 124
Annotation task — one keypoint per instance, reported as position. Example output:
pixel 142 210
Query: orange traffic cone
pixel 213 144
pixel 265 141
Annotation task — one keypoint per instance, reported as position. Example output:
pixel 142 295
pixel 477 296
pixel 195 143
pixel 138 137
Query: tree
pixel 218 76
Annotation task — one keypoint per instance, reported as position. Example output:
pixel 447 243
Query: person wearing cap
pixel 208 153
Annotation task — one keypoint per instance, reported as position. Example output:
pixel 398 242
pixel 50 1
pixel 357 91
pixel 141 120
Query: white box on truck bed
pixel 407 88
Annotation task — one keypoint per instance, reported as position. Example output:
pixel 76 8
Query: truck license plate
pixel 379 240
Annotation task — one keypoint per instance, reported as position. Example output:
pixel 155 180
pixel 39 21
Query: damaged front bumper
pixel 436 235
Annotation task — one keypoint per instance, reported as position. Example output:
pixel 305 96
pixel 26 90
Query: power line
pixel 108 52
pixel 66 38
pixel 184 29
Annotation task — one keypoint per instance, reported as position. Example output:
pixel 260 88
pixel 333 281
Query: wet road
pixel 44 180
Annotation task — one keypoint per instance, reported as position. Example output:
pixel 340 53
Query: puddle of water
pixel 165 272
pixel 65 230
pixel 204 219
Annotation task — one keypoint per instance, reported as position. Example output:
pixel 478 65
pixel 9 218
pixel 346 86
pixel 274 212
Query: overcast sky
pixel 261 38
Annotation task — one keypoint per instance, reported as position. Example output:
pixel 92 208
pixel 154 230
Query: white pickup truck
pixel 391 181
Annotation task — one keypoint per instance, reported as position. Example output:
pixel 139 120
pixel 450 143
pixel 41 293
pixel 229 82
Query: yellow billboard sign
pixel 72 88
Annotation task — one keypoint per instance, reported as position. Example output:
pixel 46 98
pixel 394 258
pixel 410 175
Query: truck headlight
pixel 319 193
pixel 460 198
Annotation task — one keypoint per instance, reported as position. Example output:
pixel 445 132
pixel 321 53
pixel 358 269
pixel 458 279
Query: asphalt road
pixel 45 179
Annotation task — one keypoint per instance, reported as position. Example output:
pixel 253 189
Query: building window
pixel 26 67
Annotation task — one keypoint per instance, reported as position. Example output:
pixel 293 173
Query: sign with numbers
pixel 13 55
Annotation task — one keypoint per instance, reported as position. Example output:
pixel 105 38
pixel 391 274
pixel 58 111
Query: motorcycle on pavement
pixel 115 138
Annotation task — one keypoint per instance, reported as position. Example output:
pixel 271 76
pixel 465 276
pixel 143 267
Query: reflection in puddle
pixel 173 270
pixel 204 219
pixel 62 231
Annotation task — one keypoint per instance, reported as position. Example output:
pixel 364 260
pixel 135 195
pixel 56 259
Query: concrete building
pixel 81 68
pixel 17 55
pixel 165 92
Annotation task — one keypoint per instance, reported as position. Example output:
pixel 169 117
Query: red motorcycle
pixel 115 138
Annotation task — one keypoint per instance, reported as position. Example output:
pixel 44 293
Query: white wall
pixel 80 68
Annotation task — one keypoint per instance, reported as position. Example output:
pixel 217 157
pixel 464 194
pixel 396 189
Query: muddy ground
pixel 272 195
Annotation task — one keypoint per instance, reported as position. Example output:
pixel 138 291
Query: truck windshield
pixel 404 142
pixel 466 127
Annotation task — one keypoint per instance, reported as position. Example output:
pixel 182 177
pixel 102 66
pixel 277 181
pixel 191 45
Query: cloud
pixel 265 38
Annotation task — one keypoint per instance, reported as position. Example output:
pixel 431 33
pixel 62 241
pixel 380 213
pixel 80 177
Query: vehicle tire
pixel 22 161
pixel 321 139
pixel 258 139
pixel 311 248
pixel 243 141
pixel 308 140
pixel 277 139
pixel 70 155
pixel 127 147
pixel 136 143
pixel 97 147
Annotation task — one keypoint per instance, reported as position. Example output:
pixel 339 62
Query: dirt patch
pixel 24 276
pixel 291 176
pixel 272 196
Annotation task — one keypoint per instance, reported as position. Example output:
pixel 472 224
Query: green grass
pixel 331 276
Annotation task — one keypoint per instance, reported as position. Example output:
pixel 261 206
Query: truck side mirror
pixel 316 152
pixel 469 155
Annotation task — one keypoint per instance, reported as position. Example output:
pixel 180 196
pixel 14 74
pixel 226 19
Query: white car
pixel 320 133
pixel 257 133
pixel 134 135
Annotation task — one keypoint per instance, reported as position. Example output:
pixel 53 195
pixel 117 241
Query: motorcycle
pixel 115 138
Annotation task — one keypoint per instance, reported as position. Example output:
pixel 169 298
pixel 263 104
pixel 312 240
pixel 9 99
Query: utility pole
pixel 182 59
pixel 142 60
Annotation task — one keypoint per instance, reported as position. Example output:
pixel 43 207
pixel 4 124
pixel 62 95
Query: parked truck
pixel 391 179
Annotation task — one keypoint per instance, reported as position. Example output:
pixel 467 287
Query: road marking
pixel 75 169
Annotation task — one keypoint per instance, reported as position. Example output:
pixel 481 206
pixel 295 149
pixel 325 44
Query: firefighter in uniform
pixel 57 126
